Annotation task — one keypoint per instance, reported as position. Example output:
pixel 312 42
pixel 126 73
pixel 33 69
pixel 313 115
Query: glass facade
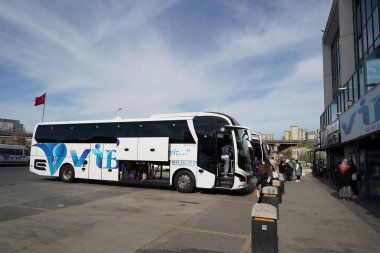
pixel 335 62
pixel 366 18
pixel 367 74
pixel 364 149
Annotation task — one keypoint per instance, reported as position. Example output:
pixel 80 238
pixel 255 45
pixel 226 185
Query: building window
pixel 355 87
pixel 335 62
pixel 367 28
pixel 376 23
pixel 361 82
pixel 373 73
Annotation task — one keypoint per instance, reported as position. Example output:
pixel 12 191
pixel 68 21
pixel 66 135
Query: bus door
pixel 222 179
pixel 103 163
pixel 206 162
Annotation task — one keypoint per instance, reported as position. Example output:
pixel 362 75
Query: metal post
pixel 270 196
pixel 264 229
pixel 277 184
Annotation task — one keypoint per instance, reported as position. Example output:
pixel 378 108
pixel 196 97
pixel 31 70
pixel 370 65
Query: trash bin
pixel 264 228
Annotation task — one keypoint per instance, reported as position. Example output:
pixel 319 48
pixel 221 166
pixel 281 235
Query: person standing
pixel 256 164
pixel 321 170
pixel 298 171
pixel 344 179
pixel 281 167
pixel 354 179
pixel 288 170
pixel 275 167
pixel 226 157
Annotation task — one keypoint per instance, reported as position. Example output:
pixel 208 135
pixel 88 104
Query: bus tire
pixel 67 174
pixel 184 181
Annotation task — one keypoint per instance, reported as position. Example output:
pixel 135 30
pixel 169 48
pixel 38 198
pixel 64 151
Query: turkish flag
pixel 40 100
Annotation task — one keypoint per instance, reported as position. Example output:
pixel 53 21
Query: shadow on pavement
pixel 159 185
pixel 365 208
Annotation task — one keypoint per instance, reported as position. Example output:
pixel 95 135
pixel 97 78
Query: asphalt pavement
pixel 40 214
pixel 313 219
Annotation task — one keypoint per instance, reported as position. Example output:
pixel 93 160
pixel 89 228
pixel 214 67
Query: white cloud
pixel 294 100
pixel 114 57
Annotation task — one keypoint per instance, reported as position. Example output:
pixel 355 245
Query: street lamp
pixel 117 111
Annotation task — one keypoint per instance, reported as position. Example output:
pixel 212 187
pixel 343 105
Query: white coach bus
pixel 14 154
pixel 260 149
pixel 182 150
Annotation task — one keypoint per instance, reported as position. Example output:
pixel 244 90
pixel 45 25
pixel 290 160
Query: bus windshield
pixel 265 151
pixel 242 148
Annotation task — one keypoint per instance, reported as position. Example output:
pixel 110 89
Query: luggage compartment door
pixel 153 149
pixel 127 149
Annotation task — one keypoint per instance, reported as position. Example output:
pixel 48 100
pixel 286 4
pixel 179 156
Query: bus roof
pixel 154 117
pixel 12 146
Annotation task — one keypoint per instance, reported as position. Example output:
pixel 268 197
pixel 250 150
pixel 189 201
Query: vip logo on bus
pixel 56 154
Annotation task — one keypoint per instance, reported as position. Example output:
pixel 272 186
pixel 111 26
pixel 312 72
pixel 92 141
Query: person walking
pixel 344 179
pixel 298 171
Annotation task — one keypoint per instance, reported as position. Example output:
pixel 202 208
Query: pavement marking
pixel 238 201
pixel 30 207
pixel 205 231
pixel 246 245
pixel 159 224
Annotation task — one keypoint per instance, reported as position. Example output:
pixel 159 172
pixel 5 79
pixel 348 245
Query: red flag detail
pixel 40 100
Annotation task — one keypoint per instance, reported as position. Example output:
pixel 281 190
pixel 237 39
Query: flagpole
pixel 43 112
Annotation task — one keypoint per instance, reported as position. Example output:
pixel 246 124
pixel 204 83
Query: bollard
pixel 282 186
pixel 277 184
pixel 282 180
pixel 264 228
pixel 270 196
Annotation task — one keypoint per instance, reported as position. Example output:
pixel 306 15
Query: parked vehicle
pixel 14 154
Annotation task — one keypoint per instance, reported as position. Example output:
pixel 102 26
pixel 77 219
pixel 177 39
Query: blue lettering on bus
pixel 55 154
pixel 183 163
pixel 111 158
pixel 175 152
pixel 78 162
pixel 99 155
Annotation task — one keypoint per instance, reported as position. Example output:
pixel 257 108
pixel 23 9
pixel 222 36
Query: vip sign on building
pixel 362 118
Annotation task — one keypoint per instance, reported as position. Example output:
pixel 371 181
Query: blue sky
pixel 259 61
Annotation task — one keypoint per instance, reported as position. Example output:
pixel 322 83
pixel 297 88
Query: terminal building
pixel 350 123
pixel 8 129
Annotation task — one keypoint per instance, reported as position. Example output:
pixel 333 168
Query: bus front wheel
pixel 67 174
pixel 184 181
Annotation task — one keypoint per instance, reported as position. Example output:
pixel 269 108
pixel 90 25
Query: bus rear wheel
pixel 67 174
pixel 184 181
